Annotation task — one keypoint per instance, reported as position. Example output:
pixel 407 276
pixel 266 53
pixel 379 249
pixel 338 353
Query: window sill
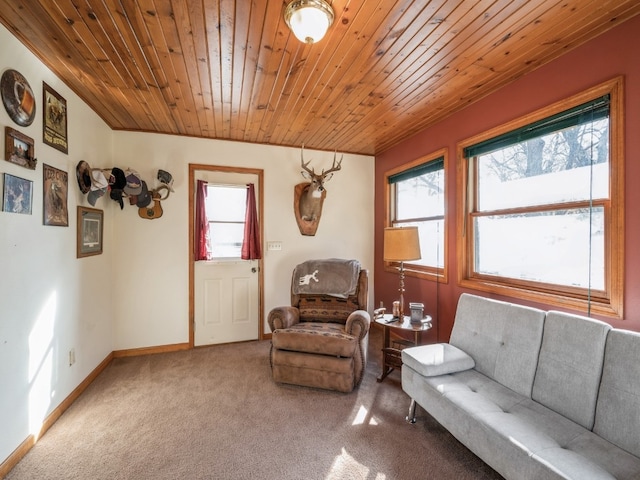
pixel 598 306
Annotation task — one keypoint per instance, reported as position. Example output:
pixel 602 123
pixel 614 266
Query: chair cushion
pixel 316 337
pixel 325 308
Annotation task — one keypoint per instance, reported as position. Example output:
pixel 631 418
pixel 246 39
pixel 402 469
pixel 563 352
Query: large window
pixel 416 197
pixel 543 206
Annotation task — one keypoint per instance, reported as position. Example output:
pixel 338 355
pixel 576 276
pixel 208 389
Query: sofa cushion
pixel 561 447
pixel 570 366
pixel 438 359
pixel 502 338
pixel 516 436
pixel 316 337
pixel 618 409
pixel 474 392
pixel 590 456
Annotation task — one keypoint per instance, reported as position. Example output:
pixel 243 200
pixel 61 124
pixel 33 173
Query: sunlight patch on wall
pixel 41 365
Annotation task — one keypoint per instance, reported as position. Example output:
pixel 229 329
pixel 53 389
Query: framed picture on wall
pixel 18 148
pixel 54 196
pixel 90 226
pixel 18 194
pixel 17 97
pixel 54 122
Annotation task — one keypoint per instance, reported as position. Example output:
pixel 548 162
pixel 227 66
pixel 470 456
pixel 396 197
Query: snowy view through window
pixel 420 203
pixel 226 207
pixel 540 210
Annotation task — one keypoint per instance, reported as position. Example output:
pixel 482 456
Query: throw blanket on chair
pixel 335 277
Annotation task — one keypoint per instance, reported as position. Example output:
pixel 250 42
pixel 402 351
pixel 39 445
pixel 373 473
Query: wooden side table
pixel 391 356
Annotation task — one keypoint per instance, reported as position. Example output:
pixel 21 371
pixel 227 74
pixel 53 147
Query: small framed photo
pixel 54 122
pixel 90 226
pixel 54 195
pixel 18 194
pixel 18 149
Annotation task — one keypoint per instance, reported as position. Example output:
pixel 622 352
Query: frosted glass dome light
pixel 309 19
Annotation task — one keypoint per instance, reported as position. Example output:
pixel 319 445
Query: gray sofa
pixel 535 394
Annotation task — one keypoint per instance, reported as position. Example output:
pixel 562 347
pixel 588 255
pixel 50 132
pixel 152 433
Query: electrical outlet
pixel 274 245
pixel 72 356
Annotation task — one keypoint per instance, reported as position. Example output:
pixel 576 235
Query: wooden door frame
pixel 193 168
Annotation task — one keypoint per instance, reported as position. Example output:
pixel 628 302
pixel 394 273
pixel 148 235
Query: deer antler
pixel 334 167
pixel 155 193
pixel 304 165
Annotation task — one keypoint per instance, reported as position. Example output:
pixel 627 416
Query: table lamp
pixel 401 244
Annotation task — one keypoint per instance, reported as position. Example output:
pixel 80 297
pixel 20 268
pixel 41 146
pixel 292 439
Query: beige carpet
pixel 215 413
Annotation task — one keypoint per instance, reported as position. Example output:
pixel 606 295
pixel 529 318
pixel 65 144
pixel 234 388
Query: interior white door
pixel 226 301
pixel 226 290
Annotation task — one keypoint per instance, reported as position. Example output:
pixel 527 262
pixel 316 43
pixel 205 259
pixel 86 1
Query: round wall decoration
pixel 18 98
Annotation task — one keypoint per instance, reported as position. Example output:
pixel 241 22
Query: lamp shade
pixel 309 19
pixel 401 244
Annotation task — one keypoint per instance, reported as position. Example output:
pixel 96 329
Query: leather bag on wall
pixel 154 211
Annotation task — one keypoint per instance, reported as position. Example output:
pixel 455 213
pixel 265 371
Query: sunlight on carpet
pixel 345 466
pixel 361 417
pixel 175 415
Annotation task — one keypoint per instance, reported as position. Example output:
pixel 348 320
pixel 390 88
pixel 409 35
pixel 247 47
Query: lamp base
pixel 401 290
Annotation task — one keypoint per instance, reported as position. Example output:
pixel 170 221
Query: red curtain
pixel 251 243
pixel 201 247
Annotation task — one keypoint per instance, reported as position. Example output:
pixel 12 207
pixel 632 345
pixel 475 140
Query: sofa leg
pixel 411 418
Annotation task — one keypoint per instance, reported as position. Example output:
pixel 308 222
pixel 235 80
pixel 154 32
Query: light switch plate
pixel 274 245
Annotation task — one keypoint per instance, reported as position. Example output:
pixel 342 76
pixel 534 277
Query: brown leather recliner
pixel 321 340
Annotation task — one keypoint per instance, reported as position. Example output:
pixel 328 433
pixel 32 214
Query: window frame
pixel 438 274
pixel 608 302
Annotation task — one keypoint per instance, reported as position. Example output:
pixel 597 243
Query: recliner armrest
pixel 358 323
pixel 283 317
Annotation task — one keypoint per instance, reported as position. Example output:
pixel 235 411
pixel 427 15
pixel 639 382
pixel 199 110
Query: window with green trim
pixel 417 198
pixel 540 215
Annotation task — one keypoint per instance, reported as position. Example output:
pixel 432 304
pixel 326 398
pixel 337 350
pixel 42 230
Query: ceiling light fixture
pixel 309 19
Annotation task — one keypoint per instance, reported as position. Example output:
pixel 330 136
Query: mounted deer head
pixel 310 196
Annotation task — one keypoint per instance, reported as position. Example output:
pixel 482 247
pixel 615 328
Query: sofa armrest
pixel 437 359
pixel 358 323
pixel 283 317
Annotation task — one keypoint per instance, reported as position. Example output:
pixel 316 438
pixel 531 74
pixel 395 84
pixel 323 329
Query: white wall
pixel 151 299
pixel 50 301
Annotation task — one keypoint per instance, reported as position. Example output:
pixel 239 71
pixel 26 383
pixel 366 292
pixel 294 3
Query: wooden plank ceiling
pixel 233 70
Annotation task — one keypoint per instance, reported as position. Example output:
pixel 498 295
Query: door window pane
pixel 226 239
pixel 226 207
pixel 226 203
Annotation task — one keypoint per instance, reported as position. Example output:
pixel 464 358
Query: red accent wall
pixel 612 54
